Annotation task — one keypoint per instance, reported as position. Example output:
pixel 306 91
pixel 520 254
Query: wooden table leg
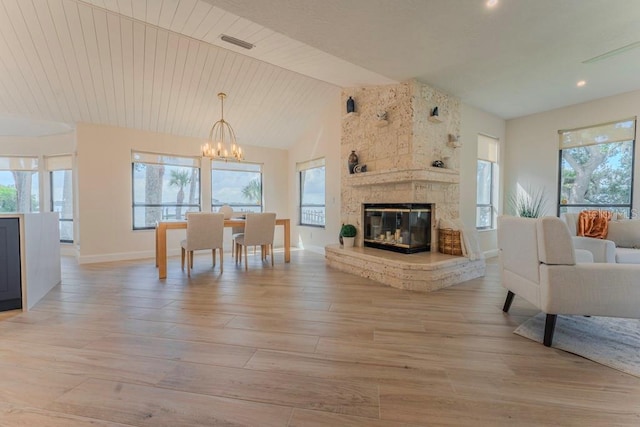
pixel 161 252
pixel 287 242
pixel 157 237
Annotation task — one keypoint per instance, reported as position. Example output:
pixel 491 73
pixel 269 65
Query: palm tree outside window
pixel 165 187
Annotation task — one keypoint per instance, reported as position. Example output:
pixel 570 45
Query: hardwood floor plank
pixel 321 367
pixel 172 349
pixel 343 397
pixel 146 406
pixel 322 329
pixel 246 338
pixel 306 418
pixel 408 404
pixel 34 387
pixel 84 363
pixel 26 416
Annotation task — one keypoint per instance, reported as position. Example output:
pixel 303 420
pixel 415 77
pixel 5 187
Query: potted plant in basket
pixel 348 235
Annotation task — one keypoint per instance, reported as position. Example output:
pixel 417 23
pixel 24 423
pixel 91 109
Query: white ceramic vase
pixel 348 242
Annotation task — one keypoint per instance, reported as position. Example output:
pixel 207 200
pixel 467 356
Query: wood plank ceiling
pixel 156 65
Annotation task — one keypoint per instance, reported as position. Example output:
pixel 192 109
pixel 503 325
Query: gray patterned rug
pixel 606 340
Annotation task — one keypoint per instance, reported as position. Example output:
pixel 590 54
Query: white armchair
pixel 538 263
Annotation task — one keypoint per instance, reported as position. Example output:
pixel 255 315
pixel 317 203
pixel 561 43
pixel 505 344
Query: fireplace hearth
pixel 398 227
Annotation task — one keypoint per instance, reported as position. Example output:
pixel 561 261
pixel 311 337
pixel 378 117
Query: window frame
pixel 489 205
pixel 488 151
pixel 26 163
pixel 617 207
pixel 167 162
pixel 216 206
pixel 301 168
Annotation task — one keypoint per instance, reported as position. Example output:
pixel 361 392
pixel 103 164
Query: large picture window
pixel 19 184
pixel 164 188
pixel 312 192
pixel 238 185
pixel 61 193
pixel 486 191
pixel 596 167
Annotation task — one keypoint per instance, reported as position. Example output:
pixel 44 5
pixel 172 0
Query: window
pixel 164 187
pixel 486 190
pixel 61 193
pixel 312 192
pixel 19 185
pixel 238 185
pixel 596 167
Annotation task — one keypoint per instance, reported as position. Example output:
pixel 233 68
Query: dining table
pixel 163 226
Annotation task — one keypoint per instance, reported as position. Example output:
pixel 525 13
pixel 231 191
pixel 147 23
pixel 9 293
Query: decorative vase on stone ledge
pixel 351 105
pixel 352 161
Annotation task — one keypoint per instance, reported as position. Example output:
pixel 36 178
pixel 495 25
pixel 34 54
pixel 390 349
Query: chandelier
pixel 222 143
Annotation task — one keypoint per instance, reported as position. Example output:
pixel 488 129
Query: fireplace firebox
pixel 399 227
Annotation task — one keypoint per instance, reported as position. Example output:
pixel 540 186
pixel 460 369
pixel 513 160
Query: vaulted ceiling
pixel 158 64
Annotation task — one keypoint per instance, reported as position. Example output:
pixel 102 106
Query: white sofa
pixel 622 245
pixel 538 263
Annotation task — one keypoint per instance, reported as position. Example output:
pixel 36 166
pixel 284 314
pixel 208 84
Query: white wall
pixel 532 149
pixel 321 140
pixel 104 188
pixel 473 122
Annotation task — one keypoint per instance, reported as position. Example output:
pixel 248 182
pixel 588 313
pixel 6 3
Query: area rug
pixel 606 340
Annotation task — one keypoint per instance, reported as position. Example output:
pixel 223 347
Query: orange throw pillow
pixel 594 224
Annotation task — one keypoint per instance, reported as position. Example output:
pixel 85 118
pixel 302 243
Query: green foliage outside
pixel 180 179
pixel 597 174
pixel 8 199
pixel 253 191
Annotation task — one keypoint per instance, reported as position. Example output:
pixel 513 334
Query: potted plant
pixel 348 235
pixel 528 202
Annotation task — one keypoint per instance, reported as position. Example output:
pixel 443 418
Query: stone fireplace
pixel 398 227
pixel 398 153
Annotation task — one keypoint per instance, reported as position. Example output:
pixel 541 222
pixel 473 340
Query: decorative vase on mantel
pixel 351 105
pixel 352 161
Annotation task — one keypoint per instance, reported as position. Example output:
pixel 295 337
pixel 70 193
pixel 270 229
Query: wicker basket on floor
pixel 449 241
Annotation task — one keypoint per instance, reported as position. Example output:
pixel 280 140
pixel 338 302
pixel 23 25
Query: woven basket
pixel 449 241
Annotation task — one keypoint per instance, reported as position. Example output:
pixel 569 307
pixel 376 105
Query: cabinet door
pixel 10 286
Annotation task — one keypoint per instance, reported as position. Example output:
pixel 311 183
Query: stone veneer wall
pixel 399 155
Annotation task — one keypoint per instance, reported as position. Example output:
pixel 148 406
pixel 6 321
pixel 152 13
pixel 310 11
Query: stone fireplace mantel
pixel 398 158
pixel 429 174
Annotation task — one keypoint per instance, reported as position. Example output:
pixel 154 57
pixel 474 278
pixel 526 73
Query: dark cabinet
pixel 10 283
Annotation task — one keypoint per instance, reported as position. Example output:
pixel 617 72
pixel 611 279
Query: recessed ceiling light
pixel 581 83
pixel 492 3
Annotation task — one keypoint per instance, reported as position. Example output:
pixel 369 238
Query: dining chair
pixel 259 229
pixel 235 231
pixel 204 231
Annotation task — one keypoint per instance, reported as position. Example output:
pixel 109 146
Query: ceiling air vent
pixel 236 41
pixel 613 52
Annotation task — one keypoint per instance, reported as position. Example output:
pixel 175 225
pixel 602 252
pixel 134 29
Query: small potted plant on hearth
pixel 348 235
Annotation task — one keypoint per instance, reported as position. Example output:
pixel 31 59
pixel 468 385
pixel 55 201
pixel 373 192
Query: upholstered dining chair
pixel 259 229
pixel 235 231
pixel 204 231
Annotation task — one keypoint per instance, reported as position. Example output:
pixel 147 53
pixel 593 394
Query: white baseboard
pixel 491 253
pixel 121 256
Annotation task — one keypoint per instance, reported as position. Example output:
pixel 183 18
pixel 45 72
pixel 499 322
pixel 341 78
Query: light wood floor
pixel 299 344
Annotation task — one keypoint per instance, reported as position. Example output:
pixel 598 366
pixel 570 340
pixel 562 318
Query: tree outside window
pixel 596 168
pixel 238 185
pixel 164 188
pixel 19 184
